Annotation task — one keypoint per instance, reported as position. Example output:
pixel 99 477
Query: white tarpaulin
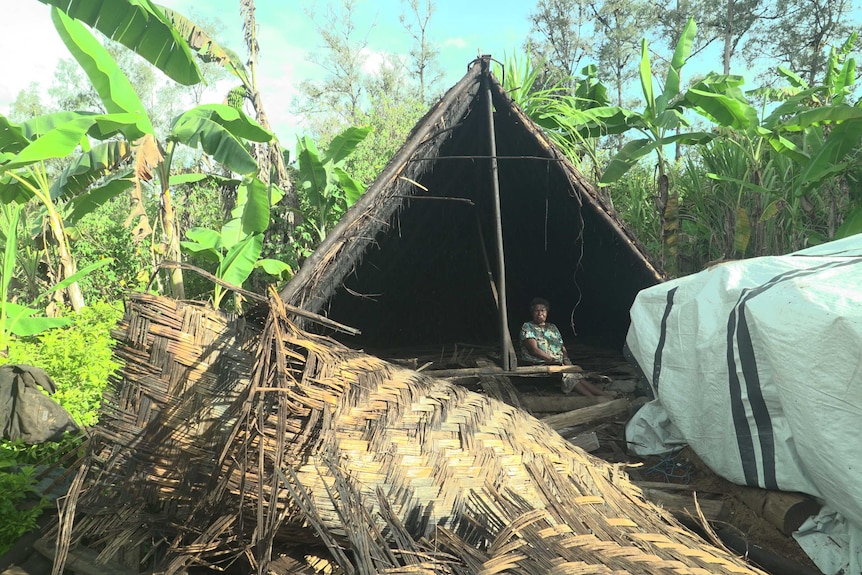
pixel 757 365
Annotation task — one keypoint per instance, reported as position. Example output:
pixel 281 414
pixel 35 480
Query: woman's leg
pixel 589 389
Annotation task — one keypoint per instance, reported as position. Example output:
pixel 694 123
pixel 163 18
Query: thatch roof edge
pixel 317 278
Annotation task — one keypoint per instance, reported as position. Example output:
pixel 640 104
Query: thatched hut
pixel 222 440
pixel 411 263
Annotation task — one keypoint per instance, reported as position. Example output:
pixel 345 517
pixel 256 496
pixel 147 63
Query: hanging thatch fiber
pixel 220 439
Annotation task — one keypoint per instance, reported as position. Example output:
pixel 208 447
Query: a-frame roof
pixel 410 262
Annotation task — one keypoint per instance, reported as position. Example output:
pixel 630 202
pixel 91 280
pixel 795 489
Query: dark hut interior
pixel 423 277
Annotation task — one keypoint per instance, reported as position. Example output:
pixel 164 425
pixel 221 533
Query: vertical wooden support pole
pixel 498 222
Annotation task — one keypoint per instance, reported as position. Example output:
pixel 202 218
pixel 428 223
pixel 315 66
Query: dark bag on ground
pixel 25 412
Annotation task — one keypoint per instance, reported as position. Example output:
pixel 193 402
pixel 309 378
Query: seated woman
pixel 542 344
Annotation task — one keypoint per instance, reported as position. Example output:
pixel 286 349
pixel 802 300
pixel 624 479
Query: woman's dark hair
pixel 539 301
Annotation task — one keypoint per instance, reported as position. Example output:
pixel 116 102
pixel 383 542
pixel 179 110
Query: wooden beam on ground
pixel 588 414
pixel 82 560
pixel 663 486
pixel 682 506
pixel 782 509
pixel 526 370
pixel 559 403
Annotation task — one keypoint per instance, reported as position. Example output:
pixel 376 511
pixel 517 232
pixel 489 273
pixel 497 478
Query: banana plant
pixel 323 179
pixel 660 123
pixel 23 174
pixel 19 320
pixel 219 130
pixel 235 249
pixel 662 117
pixel 815 127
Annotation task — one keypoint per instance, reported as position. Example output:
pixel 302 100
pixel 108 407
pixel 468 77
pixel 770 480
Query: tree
pixel 798 37
pixel 28 104
pixel 70 89
pixel 620 23
pixel 560 38
pixel 423 54
pixel 335 101
pixel 392 112
pixel 731 21
pixel 660 124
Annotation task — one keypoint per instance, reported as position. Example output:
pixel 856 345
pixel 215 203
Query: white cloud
pixel 459 43
pixel 373 60
pixel 31 48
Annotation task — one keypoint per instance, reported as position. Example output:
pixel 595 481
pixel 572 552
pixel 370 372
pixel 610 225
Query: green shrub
pixel 18 515
pixel 78 358
pixel 20 504
pixel 102 234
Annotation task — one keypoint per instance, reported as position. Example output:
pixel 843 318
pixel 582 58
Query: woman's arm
pixel 533 348
pixel 566 359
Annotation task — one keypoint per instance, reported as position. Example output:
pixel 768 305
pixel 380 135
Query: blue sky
pixel 288 39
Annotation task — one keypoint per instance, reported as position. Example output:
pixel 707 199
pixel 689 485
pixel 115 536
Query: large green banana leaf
pixel 719 98
pixel 89 167
pixel 206 47
pixel 313 176
pixel 216 141
pixel 112 85
pixel 827 160
pixel 233 120
pixel 823 114
pixel 636 149
pixel 680 55
pixel 140 26
pixel 239 261
pixel 12 139
pixel 255 215
pixel 86 202
pixel 62 140
pixel 353 188
pixel 344 143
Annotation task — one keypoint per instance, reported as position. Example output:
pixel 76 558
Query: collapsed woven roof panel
pixel 221 439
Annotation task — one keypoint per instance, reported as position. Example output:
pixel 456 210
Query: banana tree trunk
pixel 269 157
pixel 669 211
pixel 67 262
pixel 170 229
pixel 172 240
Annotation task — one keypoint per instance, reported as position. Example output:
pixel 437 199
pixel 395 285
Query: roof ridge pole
pixel 505 356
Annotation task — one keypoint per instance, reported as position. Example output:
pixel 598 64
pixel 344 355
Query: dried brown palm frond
pixel 224 440
pixel 146 157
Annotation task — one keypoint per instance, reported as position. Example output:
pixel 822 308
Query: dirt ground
pixel 740 520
